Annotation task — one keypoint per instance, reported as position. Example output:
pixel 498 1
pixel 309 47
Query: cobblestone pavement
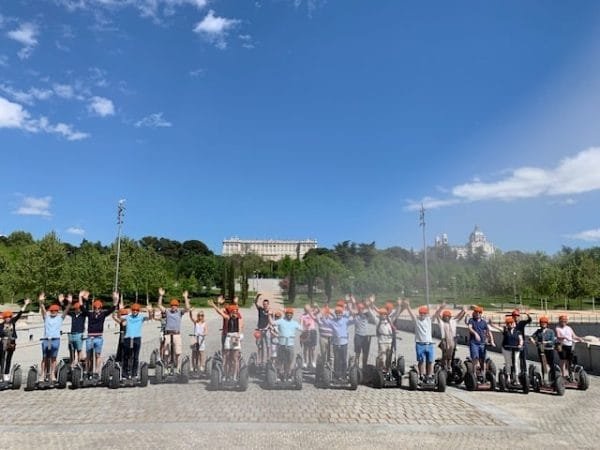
pixel 190 416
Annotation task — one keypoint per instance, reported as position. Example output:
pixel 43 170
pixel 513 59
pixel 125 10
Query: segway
pixel 219 381
pixel 117 375
pixel 257 369
pixel 480 379
pixel 510 381
pixel 155 354
pixel 578 377
pixel 455 374
pixel 82 377
pixel 33 374
pixel 326 378
pixel 379 376
pixel 275 378
pixel 422 383
pixel 16 374
pixel 195 372
pixel 167 372
pixel 548 383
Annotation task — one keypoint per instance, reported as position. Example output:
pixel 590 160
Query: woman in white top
pixel 447 325
pixel 199 345
pixel 565 336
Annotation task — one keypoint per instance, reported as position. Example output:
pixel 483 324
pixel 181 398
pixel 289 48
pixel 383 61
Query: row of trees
pixel 28 265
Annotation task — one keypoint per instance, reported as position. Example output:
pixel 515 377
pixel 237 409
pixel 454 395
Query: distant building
pixel 477 243
pixel 269 249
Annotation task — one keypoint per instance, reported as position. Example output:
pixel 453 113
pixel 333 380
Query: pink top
pixel 307 322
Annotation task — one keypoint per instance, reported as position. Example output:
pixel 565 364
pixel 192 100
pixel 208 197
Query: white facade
pixel 269 249
pixel 477 242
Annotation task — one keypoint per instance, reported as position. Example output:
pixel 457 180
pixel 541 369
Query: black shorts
pixel 310 338
pixel 566 352
pixel 285 354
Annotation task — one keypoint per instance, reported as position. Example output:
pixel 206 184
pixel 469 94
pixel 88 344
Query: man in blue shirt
pixel 479 337
pixel 133 339
pixel 339 325
pixel 286 331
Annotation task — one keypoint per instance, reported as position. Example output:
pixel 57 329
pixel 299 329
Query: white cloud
pixel 77 231
pixel 147 8
pixel 34 206
pixel 215 29
pixel 588 235
pixel 12 115
pixel 572 175
pixel 25 35
pixel 246 41
pixel 3 60
pixel 64 90
pixel 430 203
pixel 196 72
pixel 101 106
pixel 155 120
pixel 28 97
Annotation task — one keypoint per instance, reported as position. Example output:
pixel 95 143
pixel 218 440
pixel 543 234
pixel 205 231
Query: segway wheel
pixel 153 359
pixel 536 381
pixel 184 373
pixel 76 377
pixel 491 366
pixel 31 379
pixel 502 381
pixel 106 371
pixel 298 374
pixel 470 381
pixel 63 373
pixel 252 365
pixel 271 375
pixel 243 379
pixel 401 366
pixel 524 380
pixel 215 378
pixel 490 377
pixel 377 378
pixel 115 379
pixel 143 374
pixel 413 380
pixel 583 382
pixel 17 379
pixel 458 374
pixel 327 376
pixel 441 381
pixel 353 378
pixel 158 372
pixel 559 385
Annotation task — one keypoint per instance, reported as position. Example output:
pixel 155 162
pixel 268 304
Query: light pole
pixel 120 214
pixel 422 224
pixel 515 288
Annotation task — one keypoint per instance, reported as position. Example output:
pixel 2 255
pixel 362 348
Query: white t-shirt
pixel 566 333
pixel 423 330
pixel 451 325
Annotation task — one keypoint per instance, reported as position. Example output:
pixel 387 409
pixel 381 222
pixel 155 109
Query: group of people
pixel 276 331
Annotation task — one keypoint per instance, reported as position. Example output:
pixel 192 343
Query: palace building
pixel 269 249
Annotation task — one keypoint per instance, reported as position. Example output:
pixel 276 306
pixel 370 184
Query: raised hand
pixel 185 295
pixel 69 298
pixel 42 297
pixel 115 297
pixel 27 302
pixel 61 298
pixel 161 292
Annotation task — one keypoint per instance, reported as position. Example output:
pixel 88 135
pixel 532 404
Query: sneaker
pixel 304 365
pixel 314 365
pixel 6 377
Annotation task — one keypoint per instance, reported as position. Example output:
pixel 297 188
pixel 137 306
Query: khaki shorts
pixel 176 342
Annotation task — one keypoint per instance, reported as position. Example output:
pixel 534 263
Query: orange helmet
pixel 339 310
pixel 478 309
pixel 97 304
pixel 76 305
pixel 423 310
pixel 543 319
pixel 382 311
pixel 277 313
pixel 7 314
pixel 516 313
pixel 326 310
pixel 389 305
pixel 446 313
pixel 509 320
pixel 123 311
pixel 289 310
pixel 257 334
pixel 136 307
pixel 54 308
pixel 563 317
pixel 174 302
pixel 341 303
pixel 233 309
pixel 360 306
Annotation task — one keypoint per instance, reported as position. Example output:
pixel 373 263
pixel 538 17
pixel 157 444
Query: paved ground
pixel 181 416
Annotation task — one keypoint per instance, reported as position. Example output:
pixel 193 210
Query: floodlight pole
pixel 422 224
pixel 120 214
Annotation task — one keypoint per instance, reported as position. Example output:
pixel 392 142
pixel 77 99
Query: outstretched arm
pixel 461 314
pixel 186 298
pixel 41 300
pixel 161 294
pixel 218 310
pixel 69 302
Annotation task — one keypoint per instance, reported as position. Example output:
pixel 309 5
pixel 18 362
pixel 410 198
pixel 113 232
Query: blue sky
pixel 301 118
